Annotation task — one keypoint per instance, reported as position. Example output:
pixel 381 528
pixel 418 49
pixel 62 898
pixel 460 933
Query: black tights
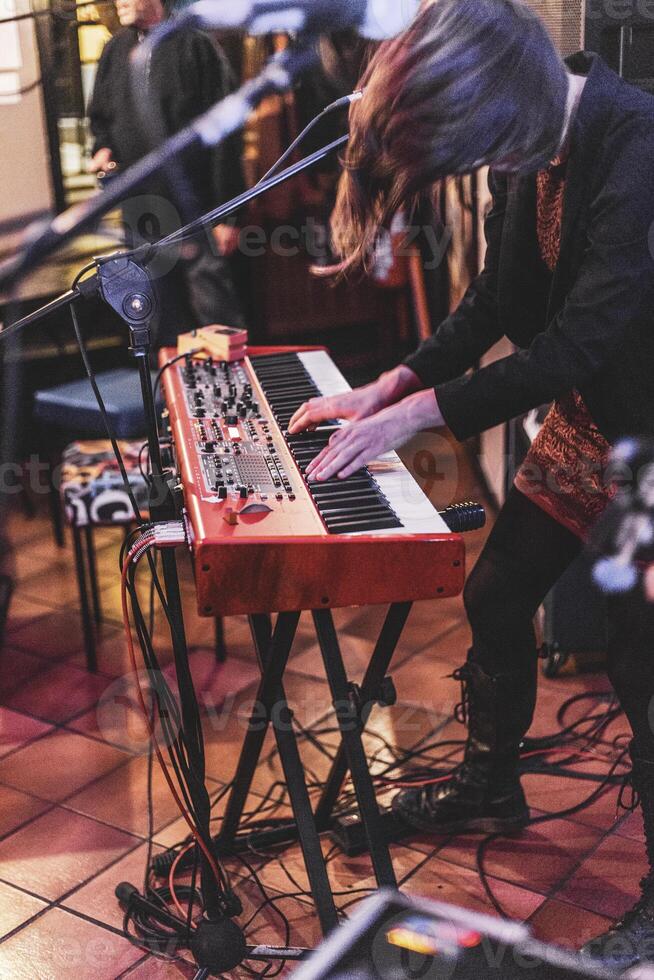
pixel 526 553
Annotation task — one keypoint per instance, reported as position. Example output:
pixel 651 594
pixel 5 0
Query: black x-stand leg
pixel 348 707
pixel 370 693
pixel 353 706
pixel 273 654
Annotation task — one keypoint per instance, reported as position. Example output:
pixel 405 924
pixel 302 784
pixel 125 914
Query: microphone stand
pixel 122 281
pixel 141 256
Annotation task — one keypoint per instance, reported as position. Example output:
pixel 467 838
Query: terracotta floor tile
pixel 31 561
pixel 552 694
pixel 552 793
pixel 120 798
pixel 632 826
pixel 23 528
pixel 24 611
pixel 347 875
pixel 111 652
pixel 46 855
pixel 59 694
pixel 425 680
pixel 16 907
pixel 450 646
pixel 171 833
pixel 539 858
pixel 17 729
pixel 125 729
pixel 107 538
pixel 52 635
pixel 98 900
pixel 356 655
pixel 19 669
pixel 364 622
pixel 154 968
pixel 225 723
pixel 409 726
pixel 431 619
pixel 215 681
pixel 58 589
pixel 16 808
pixel 310 700
pixel 111 601
pixel 58 851
pixel 566 925
pixel 358 630
pixel 439 880
pixel 177 831
pixel 607 882
pixel 224 737
pixel 59 945
pixel 58 764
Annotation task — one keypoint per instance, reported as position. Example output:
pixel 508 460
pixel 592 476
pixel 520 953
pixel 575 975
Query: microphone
pixel 373 19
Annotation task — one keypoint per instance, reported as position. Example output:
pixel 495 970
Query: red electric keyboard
pixel 265 540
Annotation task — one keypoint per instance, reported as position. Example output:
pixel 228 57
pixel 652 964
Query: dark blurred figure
pixel 188 74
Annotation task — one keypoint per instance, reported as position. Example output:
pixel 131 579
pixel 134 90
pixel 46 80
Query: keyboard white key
pixel 324 373
pixel 412 506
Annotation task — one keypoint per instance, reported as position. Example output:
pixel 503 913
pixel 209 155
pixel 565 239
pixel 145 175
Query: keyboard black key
pixel 374 524
pixel 364 508
pixel 367 491
pixel 346 506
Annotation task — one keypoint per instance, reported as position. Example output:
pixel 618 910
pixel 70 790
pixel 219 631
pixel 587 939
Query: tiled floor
pixel 73 779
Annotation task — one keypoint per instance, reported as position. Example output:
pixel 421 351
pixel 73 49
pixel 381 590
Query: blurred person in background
pixel 188 74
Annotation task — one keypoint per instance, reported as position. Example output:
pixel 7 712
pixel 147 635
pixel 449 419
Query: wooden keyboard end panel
pixel 325 574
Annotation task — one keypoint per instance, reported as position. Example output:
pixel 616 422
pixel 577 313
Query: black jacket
pixel 188 74
pixel 588 327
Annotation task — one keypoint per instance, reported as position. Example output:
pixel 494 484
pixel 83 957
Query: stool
pixel 72 410
pixel 93 495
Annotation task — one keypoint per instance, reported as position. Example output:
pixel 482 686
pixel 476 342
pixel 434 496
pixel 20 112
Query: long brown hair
pixel 472 82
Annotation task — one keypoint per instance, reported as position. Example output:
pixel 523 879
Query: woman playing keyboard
pixel 569 278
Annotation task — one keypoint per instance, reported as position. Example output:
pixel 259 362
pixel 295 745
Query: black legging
pixel 526 553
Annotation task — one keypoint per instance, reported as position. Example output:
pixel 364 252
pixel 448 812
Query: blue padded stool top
pixel 73 407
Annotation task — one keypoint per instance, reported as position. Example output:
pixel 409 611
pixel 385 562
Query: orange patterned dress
pixel 564 471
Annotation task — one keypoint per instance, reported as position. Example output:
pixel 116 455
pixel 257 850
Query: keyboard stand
pixel 353 706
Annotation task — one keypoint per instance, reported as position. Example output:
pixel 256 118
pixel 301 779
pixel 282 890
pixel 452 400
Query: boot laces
pixel 462 709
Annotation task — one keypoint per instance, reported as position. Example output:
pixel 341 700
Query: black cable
pixel 168 709
pixel 545 818
pixel 213 217
pixel 341 103
pixel 146 476
pixel 169 364
pixel 169 716
pixel 105 417
pixel 586 730
pixel 150 801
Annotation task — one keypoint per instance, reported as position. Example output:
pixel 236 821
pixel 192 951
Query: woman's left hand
pixel 354 445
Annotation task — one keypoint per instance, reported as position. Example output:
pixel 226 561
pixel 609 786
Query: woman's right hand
pixel 358 404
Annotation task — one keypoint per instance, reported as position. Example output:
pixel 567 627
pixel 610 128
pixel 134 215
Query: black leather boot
pixel 631 940
pixel 484 793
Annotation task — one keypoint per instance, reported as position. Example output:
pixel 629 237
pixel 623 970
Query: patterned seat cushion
pixel 91 486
